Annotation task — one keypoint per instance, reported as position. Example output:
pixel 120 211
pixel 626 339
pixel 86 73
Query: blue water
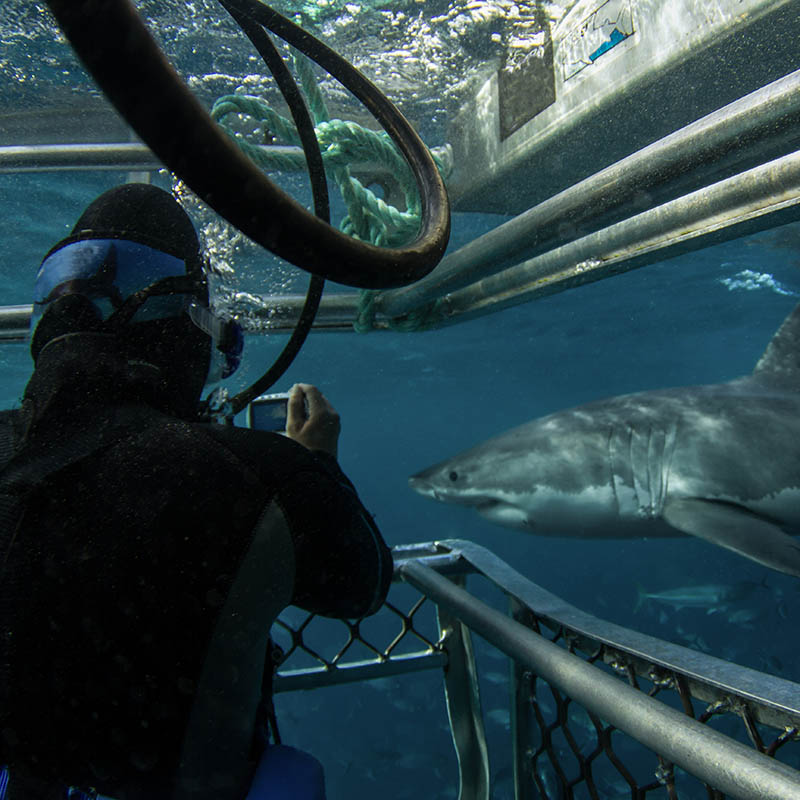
pixel 408 400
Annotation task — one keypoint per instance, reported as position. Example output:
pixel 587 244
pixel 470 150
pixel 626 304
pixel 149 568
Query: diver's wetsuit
pixel 127 645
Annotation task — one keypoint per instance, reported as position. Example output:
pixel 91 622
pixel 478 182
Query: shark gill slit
pixel 632 464
pixel 670 440
pixel 639 455
pixel 655 463
pixel 611 468
pixel 653 483
pixel 652 499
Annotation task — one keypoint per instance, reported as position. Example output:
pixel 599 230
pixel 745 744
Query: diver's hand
pixel 311 420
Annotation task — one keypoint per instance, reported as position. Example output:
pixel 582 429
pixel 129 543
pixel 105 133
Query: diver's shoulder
pixel 253 444
pixel 274 454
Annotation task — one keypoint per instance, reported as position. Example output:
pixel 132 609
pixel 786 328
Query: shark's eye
pixel 453 476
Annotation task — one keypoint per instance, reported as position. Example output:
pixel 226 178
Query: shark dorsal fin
pixel 779 367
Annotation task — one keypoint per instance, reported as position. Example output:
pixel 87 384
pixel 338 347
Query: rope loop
pixel 343 145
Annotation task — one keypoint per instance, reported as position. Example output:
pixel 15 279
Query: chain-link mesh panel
pixel 575 754
pixel 318 651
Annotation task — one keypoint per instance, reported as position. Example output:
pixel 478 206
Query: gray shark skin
pixel 721 462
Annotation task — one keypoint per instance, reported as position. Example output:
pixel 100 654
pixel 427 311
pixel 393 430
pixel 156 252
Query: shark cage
pixel 556 140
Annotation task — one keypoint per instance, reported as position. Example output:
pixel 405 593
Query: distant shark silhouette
pixel 721 462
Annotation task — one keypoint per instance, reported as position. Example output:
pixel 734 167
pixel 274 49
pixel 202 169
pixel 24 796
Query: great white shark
pixel 719 461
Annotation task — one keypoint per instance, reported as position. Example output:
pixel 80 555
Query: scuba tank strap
pixel 266 725
pixel 272 662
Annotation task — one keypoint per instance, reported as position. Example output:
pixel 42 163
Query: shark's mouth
pixel 503 513
pixel 480 504
pixel 483 505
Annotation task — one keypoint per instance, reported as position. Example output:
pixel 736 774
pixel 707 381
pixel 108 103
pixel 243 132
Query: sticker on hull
pixel 605 28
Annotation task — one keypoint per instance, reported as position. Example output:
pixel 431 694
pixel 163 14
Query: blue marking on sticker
pixel 616 37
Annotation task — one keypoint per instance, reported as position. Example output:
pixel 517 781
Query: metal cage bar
pixel 592 230
pixel 753 130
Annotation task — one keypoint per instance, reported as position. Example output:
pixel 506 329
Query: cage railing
pixel 581 690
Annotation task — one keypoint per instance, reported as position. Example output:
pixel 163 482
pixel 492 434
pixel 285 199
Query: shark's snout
pixel 421 485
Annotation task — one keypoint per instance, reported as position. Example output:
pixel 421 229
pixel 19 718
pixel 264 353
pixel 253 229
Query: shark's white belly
pixel 595 512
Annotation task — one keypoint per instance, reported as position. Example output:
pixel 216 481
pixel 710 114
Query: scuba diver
pixel 145 552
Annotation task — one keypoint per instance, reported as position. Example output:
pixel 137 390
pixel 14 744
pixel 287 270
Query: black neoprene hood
pixel 151 216
pixel 142 213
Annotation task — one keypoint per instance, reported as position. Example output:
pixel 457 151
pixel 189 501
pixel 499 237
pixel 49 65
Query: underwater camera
pixel 268 412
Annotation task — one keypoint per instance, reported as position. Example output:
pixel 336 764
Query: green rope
pixel 369 218
pixel 365 313
pixel 316 102
pixel 421 319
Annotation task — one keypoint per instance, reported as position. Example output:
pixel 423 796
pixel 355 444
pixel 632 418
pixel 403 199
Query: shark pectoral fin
pixel 737 529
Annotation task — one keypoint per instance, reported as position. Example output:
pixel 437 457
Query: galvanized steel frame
pixel 726 767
